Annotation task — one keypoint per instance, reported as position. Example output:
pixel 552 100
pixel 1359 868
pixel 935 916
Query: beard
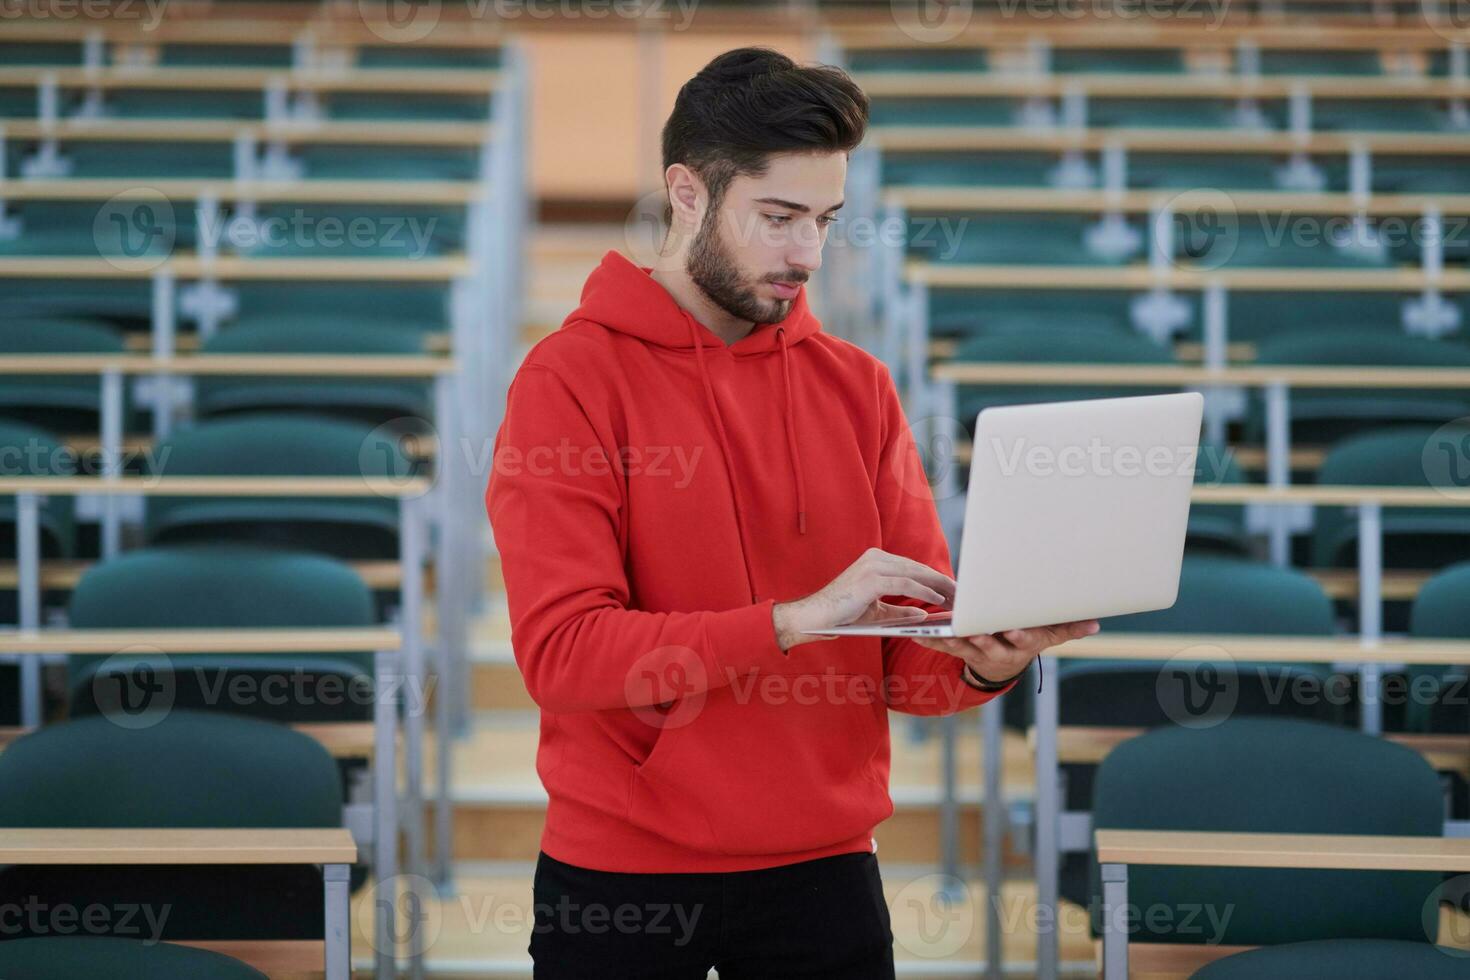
pixel 713 270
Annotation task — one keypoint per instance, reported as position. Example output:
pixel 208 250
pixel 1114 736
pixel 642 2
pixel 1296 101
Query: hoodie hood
pixel 624 297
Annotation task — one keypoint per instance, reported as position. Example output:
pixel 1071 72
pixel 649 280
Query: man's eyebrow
pixel 792 205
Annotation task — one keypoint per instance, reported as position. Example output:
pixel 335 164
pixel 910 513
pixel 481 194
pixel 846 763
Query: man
pixel 689 476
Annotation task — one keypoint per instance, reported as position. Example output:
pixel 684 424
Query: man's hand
pixel 854 596
pixel 1001 656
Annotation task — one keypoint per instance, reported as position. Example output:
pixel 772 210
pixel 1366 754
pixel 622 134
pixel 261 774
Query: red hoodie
pixel 655 492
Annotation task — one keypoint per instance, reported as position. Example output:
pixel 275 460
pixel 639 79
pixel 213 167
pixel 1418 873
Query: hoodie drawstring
pixel 792 453
pixel 714 410
pixel 791 449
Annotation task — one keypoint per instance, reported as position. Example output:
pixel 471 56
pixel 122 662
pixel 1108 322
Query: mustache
pixel 795 279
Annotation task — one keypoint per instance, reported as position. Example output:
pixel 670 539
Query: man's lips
pixel 786 290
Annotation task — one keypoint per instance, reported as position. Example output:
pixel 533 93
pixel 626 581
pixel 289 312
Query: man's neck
pixel 692 299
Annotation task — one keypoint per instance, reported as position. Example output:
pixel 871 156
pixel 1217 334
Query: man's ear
pixel 686 196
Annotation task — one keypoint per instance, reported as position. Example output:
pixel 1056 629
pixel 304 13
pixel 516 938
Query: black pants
pixel 822 918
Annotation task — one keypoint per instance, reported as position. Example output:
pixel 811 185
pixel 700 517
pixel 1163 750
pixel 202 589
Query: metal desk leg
pixel 387 675
pixel 1370 610
pixel 1048 834
pixel 1115 921
pixel 949 817
pixel 112 426
pixel 339 935
pixel 994 814
pixel 1278 465
pixel 28 594
pixel 411 553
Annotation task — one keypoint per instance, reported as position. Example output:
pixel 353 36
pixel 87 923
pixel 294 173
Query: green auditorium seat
pixel 416 56
pixel 184 103
pixel 327 161
pixel 966 169
pixel 1186 171
pixel 1257 316
pixel 18 101
pixel 115 228
pixel 1324 415
pixel 74 957
pixel 1379 115
pixel 29 451
pixel 26 450
pixel 969 312
pixel 174 769
pixel 1266 243
pixel 125 302
pixel 1006 239
pixel 1217 595
pixel 1062 346
pixel 1300 62
pixel 410 307
pixel 1038 325
pixel 934 110
pixel 1341 959
pixel 371 400
pixel 183 55
pixel 1284 776
pixel 1421 175
pixel 408 106
pixel 1113 111
pixel 150 160
pixel 1436 696
pixel 1413 456
pixel 1065 60
pixel 273 444
pixel 62 403
pixel 932 58
pixel 1217 528
pixel 58 53
pixel 226 585
pixel 332 230
pixel 146 230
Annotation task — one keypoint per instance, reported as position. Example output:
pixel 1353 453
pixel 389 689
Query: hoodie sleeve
pixel 919 681
pixel 557 528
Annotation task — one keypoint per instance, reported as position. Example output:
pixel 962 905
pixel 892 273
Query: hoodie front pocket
pixel 782 763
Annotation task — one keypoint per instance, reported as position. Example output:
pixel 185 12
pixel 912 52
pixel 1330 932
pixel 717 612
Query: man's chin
pixel 777 311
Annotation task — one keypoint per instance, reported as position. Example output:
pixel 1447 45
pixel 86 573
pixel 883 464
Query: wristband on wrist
pixel 981 684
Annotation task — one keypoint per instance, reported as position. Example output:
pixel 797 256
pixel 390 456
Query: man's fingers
pixel 892 610
pixel 898 565
pixel 889 585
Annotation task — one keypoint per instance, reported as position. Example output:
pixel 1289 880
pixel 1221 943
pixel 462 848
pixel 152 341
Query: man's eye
pixel 827 219
pixel 778 219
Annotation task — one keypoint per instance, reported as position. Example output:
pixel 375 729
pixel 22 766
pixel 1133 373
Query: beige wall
pixel 598 102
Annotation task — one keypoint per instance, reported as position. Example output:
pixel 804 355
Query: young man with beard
pixel 714 774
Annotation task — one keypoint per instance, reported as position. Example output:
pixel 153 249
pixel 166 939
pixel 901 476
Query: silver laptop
pixel 1076 510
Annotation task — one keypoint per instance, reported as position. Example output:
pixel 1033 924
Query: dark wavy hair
pixel 749 103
